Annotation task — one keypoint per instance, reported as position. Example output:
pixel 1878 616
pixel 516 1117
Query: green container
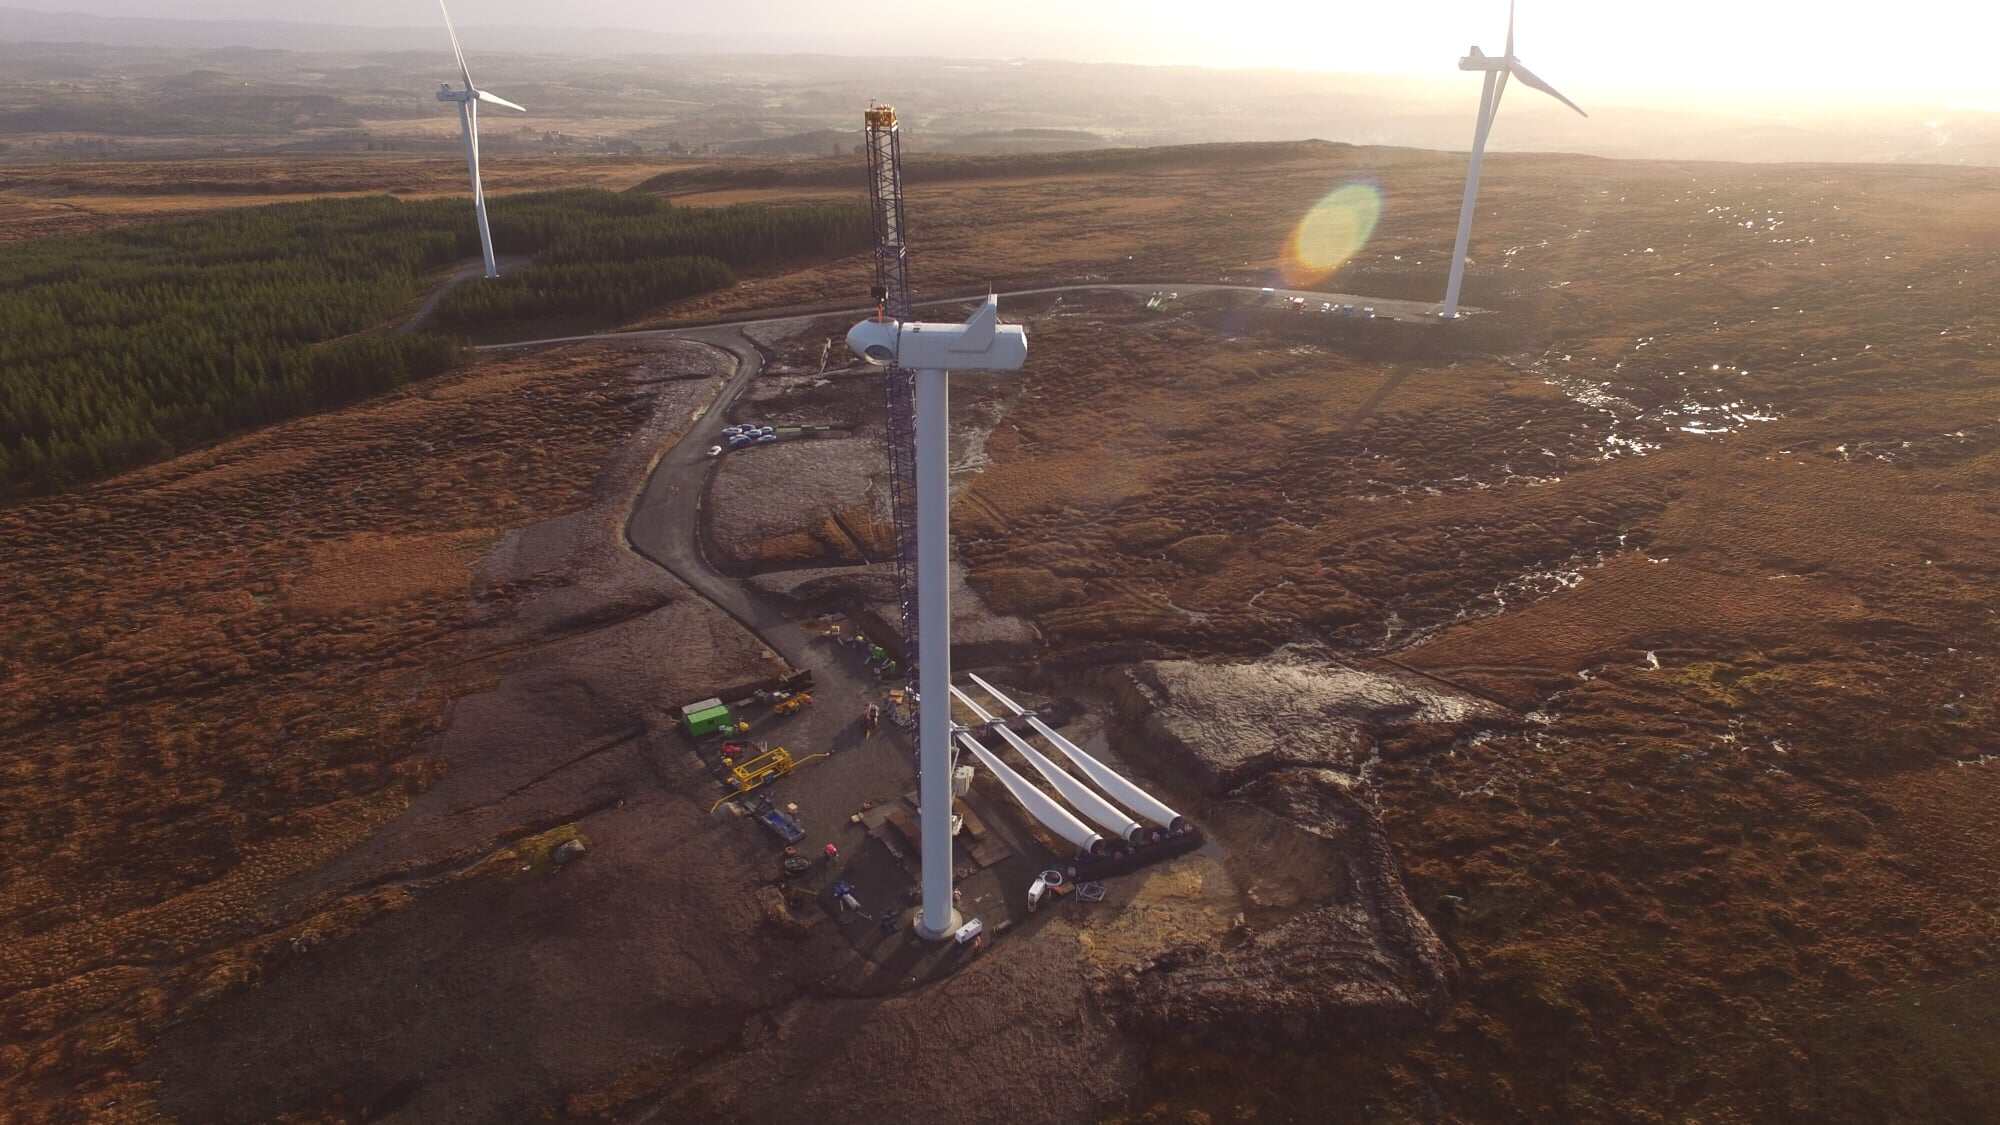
pixel 705 718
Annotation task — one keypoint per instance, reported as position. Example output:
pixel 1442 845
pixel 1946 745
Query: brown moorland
pixel 1712 506
pixel 223 672
pixel 1706 502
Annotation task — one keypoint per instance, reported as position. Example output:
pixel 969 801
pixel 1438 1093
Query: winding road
pixel 665 525
pixel 1387 308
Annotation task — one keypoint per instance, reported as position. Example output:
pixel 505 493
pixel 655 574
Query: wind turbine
pixel 1497 71
pixel 933 352
pixel 468 101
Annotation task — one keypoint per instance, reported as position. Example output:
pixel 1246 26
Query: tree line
pixel 614 256
pixel 126 346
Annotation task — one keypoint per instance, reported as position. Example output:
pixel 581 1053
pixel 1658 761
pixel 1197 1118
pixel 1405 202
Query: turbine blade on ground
pixel 456 50
pixel 495 99
pixel 1080 796
pixel 1528 78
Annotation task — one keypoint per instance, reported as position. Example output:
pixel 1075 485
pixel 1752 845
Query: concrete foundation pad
pixel 951 927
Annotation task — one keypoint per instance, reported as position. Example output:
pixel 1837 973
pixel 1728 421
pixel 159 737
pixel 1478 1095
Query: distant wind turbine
pixel 1497 71
pixel 468 101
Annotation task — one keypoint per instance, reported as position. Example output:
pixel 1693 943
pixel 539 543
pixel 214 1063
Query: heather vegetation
pixel 122 347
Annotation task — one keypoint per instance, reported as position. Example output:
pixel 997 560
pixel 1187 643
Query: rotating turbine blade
pixel 1510 29
pixel 495 99
pixel 455 48
pixel 1528 78
pixel 472 146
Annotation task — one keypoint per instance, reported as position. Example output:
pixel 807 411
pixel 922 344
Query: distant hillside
pixel 938 167
pixel 20 25
pixel 84 85
pixel 1021 141
pixel 819 142
pixel 221 114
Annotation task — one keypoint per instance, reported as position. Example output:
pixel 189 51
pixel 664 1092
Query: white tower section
pixel 468 101
pixel 933 351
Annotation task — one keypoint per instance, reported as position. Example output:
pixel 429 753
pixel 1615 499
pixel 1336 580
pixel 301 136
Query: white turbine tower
pixel 468 101
pixel 1497 71
pixel 933 351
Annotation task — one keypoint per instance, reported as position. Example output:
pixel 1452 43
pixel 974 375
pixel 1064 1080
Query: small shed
pixel 705 718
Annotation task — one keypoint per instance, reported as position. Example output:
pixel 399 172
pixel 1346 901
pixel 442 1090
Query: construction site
pixel 973 847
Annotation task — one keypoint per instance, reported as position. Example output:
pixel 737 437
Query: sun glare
pixel 1335 230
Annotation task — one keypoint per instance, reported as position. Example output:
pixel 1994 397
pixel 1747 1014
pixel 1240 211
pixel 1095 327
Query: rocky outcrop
pixel 1227 723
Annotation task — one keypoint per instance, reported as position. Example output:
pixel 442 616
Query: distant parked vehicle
pixel 715 451
pixel 766 439
pixel 1369 312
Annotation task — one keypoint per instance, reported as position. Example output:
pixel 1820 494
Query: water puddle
pixel 1634 430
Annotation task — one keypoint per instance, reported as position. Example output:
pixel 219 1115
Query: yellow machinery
pixel 752 772
pixel 766 767
pixel 793 705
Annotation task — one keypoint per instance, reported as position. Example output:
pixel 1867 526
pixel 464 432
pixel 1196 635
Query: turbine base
pixel 952 923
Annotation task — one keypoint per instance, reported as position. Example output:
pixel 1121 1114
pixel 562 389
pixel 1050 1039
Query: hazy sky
pixel 1859 50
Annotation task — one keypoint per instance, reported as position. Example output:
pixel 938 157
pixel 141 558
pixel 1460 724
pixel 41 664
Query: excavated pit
pixel 1330 943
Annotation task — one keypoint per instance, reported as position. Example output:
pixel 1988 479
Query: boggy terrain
pixel 1714 516
pixel 1693 536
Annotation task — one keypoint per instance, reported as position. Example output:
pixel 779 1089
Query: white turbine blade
pixel 472 147
pixel 1510 28
pixel 1079 795
pixel 495 99
pixel 455 48
pixel 1528 78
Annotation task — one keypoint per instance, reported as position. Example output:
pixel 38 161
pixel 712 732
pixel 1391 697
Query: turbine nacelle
pixel 1476 59
pixel 982 343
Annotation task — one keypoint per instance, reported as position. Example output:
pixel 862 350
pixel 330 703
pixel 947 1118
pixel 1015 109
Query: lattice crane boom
pixel 892 296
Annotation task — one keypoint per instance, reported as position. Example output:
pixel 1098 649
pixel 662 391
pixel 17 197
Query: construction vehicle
pixel 781 823
pixel 791 705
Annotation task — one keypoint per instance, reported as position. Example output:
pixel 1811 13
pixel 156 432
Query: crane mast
pixel 892 297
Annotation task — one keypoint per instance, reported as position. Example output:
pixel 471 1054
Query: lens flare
pixel 1335 230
